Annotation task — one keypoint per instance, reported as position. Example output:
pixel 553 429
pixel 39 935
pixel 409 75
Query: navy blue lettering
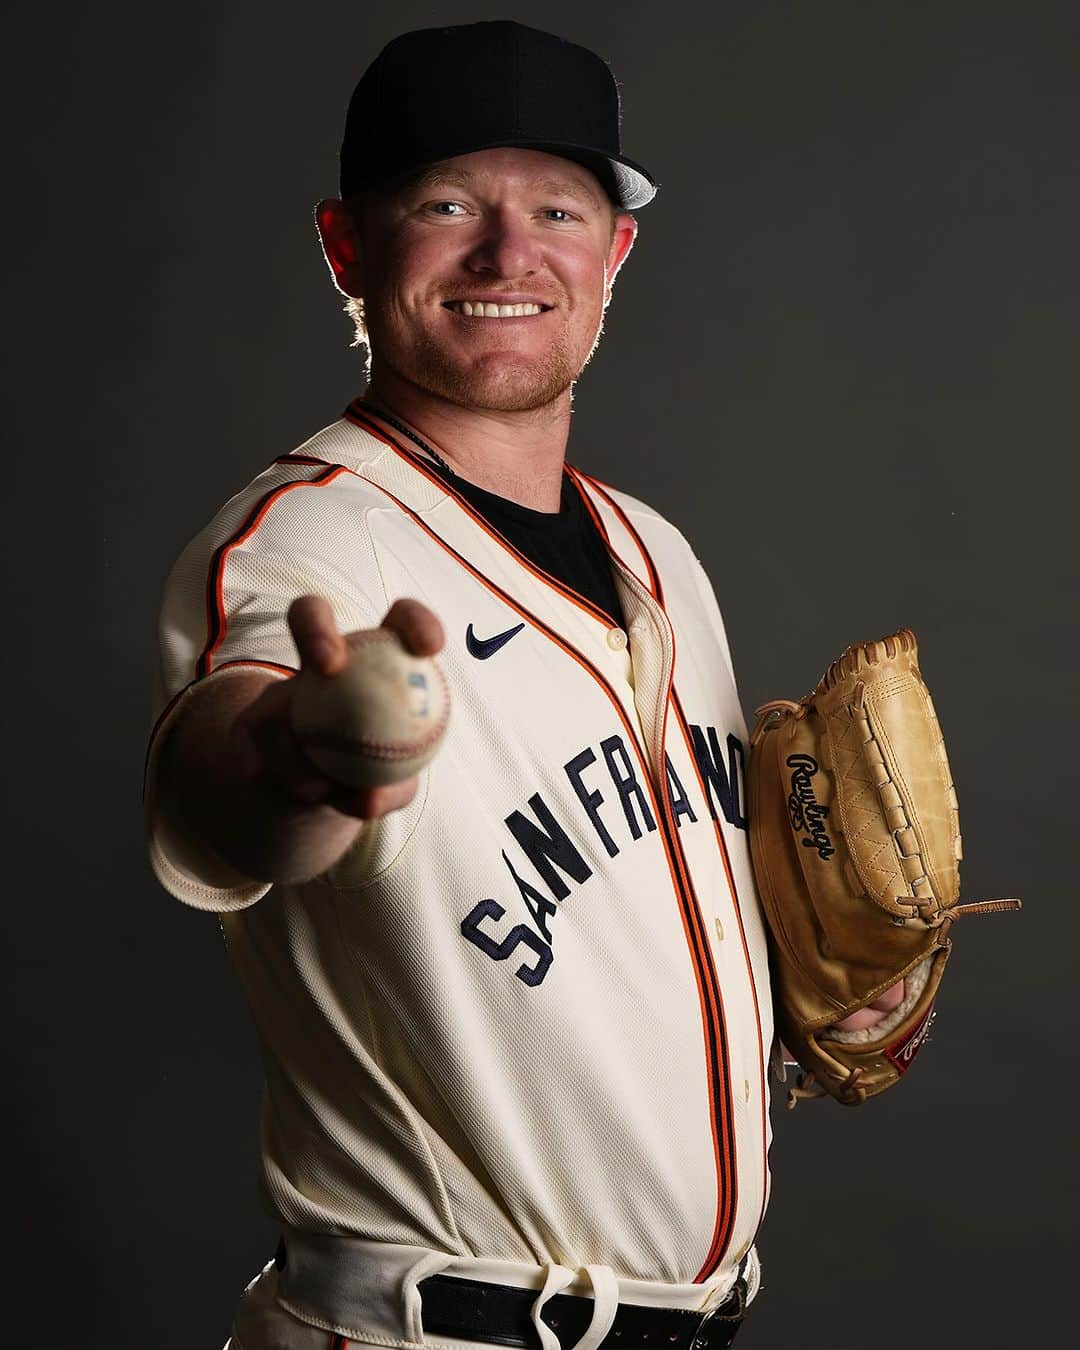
pixel 680 802
pixel 539 906
pixel 499 951
pixel 542 849
pixel 627 785
pixel 589 800
pixel 723 787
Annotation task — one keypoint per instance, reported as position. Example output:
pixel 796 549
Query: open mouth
pixel 486 309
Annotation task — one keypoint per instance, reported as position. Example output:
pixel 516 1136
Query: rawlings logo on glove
pixel 855 839
pixel 804 809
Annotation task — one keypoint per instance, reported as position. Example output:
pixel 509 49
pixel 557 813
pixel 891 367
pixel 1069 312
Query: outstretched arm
pixel 232 768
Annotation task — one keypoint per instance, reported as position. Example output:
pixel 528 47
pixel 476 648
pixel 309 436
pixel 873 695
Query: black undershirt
pixel 566 544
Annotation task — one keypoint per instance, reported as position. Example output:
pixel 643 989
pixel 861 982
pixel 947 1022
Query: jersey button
pixel 616 639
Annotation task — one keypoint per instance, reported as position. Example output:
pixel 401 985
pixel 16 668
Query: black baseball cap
pixel 440 92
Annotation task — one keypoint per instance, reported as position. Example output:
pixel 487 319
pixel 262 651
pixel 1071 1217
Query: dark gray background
pixel 842 359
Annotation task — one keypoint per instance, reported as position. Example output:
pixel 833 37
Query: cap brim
pixel 626 183
pixel 634 185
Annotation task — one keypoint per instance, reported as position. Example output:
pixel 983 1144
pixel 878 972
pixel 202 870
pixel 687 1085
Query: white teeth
pixel 486 310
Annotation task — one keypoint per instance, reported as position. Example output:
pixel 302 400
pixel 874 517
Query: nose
pixel 506 247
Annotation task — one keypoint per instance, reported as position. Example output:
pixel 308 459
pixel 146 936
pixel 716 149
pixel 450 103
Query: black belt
pixel 501 1315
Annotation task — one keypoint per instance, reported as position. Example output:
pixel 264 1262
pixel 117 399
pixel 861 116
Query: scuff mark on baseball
pixel 378 721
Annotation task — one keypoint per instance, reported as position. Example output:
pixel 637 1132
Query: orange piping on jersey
pixel 366 422
pixel 721 1104
pixel 718 1074
pixel 721 843
pixel 216 618
pixel 597 518
pixel 653 581
pixel 654 578
pixel 630 528
pixel 726 1212
pixel 225 665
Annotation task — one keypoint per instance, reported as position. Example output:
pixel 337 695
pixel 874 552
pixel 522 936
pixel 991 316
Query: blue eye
pixel 446 208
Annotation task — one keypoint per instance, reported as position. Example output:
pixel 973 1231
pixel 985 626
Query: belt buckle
pixel 723 1312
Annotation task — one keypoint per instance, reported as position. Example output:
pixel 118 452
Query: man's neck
pixel 517 455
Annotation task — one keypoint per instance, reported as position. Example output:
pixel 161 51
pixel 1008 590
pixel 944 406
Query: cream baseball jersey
pixel 527 1017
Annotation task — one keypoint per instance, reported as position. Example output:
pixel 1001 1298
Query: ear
pixel 622 241
pixel 341 245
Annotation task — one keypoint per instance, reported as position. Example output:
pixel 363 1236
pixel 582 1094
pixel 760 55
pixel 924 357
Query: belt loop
pixel 605 1289
pixel 556 1279
pixel 412 1301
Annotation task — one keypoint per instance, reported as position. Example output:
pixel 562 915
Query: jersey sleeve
pixel 223 613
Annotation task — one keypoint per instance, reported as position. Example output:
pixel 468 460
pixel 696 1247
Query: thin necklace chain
pixel 416 440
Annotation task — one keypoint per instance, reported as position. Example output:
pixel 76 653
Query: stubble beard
pixel 524 385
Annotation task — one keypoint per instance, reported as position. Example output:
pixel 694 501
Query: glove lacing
pixel 809 1089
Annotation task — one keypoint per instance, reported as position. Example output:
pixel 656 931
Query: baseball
pixel 378 721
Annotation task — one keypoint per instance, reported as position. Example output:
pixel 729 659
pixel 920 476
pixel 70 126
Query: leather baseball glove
pixel 855 840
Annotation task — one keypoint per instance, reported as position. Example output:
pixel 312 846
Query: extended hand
pixel 264 734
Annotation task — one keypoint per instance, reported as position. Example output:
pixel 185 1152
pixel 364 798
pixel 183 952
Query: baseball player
pixel 515 1012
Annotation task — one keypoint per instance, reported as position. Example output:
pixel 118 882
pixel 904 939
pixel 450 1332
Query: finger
pixel 875 1012
pixel 890 999
pixel 370 803
pixel 859 1021
pixel 320 645
pixel 416 625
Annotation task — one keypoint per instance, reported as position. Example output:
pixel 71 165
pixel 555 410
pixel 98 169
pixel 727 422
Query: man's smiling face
pixel 485 278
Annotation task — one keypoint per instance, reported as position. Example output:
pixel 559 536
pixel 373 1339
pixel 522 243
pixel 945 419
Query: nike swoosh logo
pixel 482 648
